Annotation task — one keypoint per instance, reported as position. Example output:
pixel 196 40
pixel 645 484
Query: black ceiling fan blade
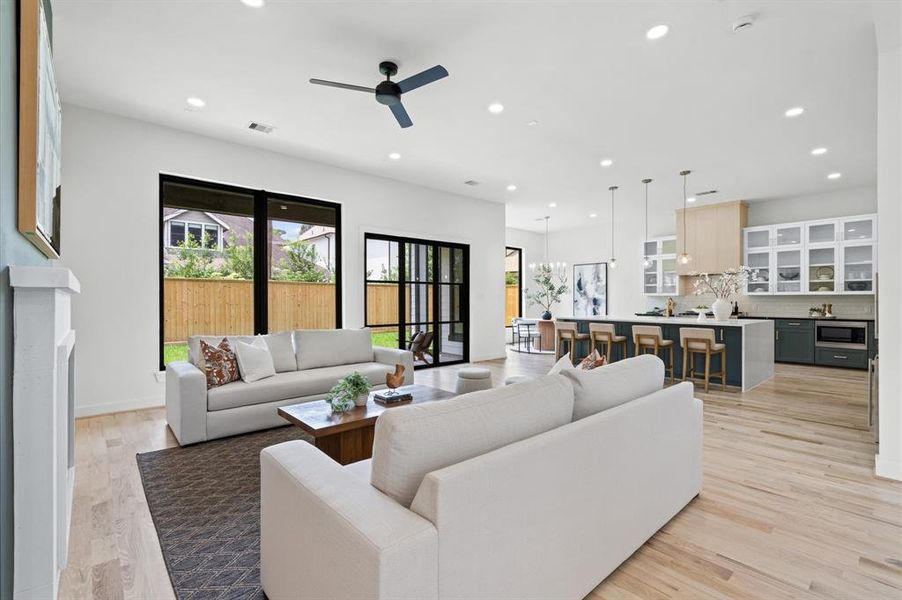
pixel 344 86
pixel 420 79
pixel 401 115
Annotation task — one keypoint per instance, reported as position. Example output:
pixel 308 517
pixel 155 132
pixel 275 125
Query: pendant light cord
pixel 684 174
pixel 613 188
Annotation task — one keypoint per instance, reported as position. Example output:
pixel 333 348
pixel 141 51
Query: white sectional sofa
pixel 534 490
pixel 308 363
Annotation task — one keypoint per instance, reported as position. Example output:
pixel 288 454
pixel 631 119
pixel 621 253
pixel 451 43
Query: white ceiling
pixel 702 98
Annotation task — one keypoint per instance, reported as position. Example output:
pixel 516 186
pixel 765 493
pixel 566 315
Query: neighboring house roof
pixel 171 213
pixel 316 232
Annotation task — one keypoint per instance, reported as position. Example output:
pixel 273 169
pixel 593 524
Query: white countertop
pixel 710 322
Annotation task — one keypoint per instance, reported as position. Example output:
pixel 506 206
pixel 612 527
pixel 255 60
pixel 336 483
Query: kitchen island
pixel 750 343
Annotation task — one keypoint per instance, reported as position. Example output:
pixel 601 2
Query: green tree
pixel 193 260
pixel 300 264
pixel 239 257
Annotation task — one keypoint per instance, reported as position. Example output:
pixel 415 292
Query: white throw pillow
pixel 564 363
pixel 254 360
pixel 281 348
pixel 614 384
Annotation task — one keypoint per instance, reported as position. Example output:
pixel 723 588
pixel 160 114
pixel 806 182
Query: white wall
pixel 532 245
pixel 841 203
pixel 889 200
pixel 110 218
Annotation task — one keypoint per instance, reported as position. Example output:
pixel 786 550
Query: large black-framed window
pixel 513 284
pixel 417 297
pixel 274 264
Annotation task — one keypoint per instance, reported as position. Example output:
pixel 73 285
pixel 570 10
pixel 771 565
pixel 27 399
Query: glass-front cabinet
pixel 829 256
pixel 659 277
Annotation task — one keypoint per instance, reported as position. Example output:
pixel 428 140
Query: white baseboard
pixel 483 358
pixel 888 468
pixel 91 410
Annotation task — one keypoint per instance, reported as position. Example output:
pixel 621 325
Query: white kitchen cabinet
pixel 828 256
pixel 660 277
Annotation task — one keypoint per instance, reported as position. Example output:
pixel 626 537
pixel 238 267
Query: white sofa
pixel 308 363
pixel 534 490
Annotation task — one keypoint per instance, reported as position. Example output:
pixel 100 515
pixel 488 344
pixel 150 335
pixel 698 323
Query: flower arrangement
pixel 724 286
pixel 550 288
pixel 348 392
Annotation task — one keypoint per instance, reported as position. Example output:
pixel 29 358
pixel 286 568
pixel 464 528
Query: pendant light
pixel 645 261
pixel 613 262
pixel 558 265
pixel 684 258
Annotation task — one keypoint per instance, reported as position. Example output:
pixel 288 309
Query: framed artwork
pixel 39 132
pixel 590 289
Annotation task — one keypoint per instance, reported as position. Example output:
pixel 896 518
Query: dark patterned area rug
pixel 205 504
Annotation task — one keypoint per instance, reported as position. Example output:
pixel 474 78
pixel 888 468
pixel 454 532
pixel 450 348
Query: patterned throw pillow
pixel 593 361
pixel 221 365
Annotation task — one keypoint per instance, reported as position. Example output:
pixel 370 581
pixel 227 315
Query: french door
pixel 417 297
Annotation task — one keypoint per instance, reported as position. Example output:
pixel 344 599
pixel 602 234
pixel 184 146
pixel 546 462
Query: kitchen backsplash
pixel 861 307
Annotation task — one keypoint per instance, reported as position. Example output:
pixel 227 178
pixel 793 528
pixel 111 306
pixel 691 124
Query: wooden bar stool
pixel 605 334
pixel 699 340
pixel 566 332
pixel 650 337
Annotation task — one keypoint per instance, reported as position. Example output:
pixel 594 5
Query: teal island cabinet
pixel 749 344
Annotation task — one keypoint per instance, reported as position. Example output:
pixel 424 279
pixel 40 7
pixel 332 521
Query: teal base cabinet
pixel 794 341
pixel 840 357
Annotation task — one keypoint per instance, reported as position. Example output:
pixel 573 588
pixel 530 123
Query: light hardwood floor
pixel 790 507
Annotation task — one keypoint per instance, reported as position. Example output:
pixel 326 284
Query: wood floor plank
pixel 790 507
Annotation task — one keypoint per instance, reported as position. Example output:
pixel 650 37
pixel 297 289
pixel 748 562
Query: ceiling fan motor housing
pixel 388 93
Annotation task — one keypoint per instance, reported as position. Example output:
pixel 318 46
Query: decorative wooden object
pixel 396 379
pixel 36 87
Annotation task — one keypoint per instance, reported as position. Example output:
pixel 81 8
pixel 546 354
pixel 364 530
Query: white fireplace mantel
pixel 43 413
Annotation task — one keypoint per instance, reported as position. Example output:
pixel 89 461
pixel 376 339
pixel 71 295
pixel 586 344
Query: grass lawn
pixel 173 352
pixel 385 339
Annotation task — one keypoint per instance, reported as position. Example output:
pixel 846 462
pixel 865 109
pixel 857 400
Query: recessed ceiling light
pixel 834 175
pixel 552 205
pixel 607 162
pixel 195 102
pixel 657 32
pixel 592 216
pixel 253 3
pixel 794 111
pixel 532 123
pixel 512 188
pixel 394 156
pixel 690 199
pixel 496 108
pixel 819 151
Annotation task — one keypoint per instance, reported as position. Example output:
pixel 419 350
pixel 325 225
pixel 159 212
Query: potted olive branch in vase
pixel 350 391
pixel 550 287
pixel 724 287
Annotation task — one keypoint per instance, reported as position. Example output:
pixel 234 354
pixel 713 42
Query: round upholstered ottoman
pixel 473 379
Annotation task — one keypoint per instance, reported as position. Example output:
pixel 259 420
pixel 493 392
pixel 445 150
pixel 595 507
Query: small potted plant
pixel 702 311
pixel 351 390
pixel 816 312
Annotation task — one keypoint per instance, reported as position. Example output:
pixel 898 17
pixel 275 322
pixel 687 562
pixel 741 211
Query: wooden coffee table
pixel 348 437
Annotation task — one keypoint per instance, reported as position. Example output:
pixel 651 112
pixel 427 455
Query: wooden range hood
pixel 712 237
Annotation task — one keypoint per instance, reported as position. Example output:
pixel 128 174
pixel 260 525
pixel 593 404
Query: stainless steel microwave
pixel 842 334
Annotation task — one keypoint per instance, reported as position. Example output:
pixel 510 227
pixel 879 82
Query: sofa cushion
pixel 196 358
pixel 292 384
pixel 414 440
pixel 329 347
pixel 254 360
pixel 614 384
pixel 281 346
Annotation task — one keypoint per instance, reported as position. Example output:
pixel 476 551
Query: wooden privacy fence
pixel 511 303
pixel 226 306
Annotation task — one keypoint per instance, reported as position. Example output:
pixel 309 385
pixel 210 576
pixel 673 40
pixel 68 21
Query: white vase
pixel 360 399
pixel 701 315
pixel 722 309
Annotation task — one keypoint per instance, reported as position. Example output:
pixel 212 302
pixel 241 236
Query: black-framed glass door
pixel 417 297
pixel 240 261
